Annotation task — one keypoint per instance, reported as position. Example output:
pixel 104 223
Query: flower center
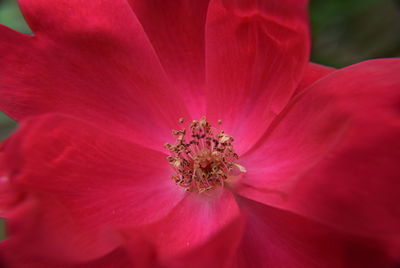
pixel 205 160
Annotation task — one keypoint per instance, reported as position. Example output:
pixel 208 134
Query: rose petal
pixel 277 238
pixel 95 63
pixel 218 251
pixel 333 154
pixel 195 221
pixel 355 186
pixel 256 52
pixel 313 73
pixel 116 259
pixel 85 182
pixel 176 31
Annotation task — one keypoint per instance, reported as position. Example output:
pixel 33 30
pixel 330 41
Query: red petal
pixel 94 62
pixel 256 54
pixel 276 238
pixel 313 73
pixel 17 259
pixel 333 155
pixel 85 183
pixel 218 251
pixel 176 30
pixel 195 221
pixel 7 195
pixel 356 186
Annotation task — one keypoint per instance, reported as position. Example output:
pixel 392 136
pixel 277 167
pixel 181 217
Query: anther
pixel 206 160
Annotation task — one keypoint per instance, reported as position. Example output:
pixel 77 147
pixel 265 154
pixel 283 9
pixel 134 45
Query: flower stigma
pixel 203 158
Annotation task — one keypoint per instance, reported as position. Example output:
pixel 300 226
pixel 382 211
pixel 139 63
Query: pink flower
pixel 305 173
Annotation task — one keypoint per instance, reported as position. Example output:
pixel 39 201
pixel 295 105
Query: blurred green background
pixel 344 32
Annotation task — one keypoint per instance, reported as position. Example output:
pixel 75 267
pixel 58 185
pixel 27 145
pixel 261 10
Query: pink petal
pixel 9 197
pixel 17 259
pixel 333 155
pixel 176 31
pixel 256 52
pixel 313 73
pixel 356 186
pixel 5 197
pixel 274 238
pixel 84 183
pixel 94 62
pixel 218 251
pixel 195 221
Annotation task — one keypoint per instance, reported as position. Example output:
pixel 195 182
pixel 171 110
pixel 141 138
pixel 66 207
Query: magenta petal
pixel 356 186
pixel 176 31
pixel 333 154
pixel 313 73
pixel 304 133
pixel 7 197
pixel 95 63
pixel 218 251
pixel 256 52
pixel 84 183
pixel 275 238
pixel 195 221
pixel 17 259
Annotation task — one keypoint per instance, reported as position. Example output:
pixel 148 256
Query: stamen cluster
pixel 203 161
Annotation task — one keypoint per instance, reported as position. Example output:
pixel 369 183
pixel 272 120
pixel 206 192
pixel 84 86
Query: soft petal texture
pixel 176 30
pixel 312 73
pixel 302 134
pixel 8 196
pixel 193 222
pixel 356 185
pixel 279 239
pixel 90 192
pixel 218 251
pixel 83 182
pixel 333 154
pixel 256 52
pixel 16 259
pixel 5 193
pixel 90 59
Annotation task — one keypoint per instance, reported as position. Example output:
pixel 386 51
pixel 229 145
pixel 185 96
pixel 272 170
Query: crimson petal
pixel 313 73
pixel 355 186
pixel 17 259
pixel 195 221
pixel 256 52
pixel 333 154
pixel 81 184
pixel 219 250
pixel 91 59
pixel 275 238
pixel 176 30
